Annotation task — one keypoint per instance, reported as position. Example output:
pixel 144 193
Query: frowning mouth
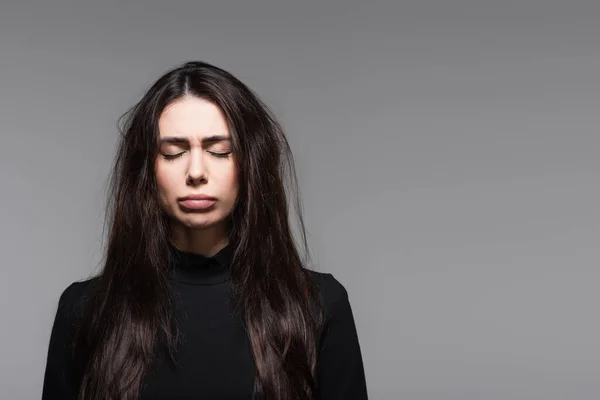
pixel 197 202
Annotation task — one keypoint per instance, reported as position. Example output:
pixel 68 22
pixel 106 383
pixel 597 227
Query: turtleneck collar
pixel 197 269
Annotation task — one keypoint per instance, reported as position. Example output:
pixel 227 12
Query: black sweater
pixel 215 360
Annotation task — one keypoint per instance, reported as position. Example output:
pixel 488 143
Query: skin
pixel 201 166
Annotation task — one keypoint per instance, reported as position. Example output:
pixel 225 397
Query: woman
pixel 203 293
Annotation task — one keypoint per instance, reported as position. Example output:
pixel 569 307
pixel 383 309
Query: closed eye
pixel 220 155
pixel 216 154
pixel 172 156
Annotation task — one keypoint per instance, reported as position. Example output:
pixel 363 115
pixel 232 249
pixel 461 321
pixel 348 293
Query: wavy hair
pixel 129 314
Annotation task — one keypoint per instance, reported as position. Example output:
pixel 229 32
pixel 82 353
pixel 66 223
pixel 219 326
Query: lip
pixel 196 197
pixel 196 202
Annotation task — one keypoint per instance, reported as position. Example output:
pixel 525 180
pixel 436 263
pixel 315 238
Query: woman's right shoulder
pixel 73 297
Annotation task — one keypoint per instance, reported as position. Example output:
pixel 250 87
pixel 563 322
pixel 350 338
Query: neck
pixel 206 242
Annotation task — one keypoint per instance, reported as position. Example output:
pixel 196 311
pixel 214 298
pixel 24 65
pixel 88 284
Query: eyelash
pixel 170 157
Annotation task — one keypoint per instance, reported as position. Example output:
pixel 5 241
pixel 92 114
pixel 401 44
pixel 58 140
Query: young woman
pixel 204 293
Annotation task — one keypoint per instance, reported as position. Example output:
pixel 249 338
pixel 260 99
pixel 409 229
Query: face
pixel 195 171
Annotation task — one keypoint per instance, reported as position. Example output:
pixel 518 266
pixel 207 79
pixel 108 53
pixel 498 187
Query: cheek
pixel 163 183
pixel 232 181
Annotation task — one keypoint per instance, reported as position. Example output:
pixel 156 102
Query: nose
pixel 196 169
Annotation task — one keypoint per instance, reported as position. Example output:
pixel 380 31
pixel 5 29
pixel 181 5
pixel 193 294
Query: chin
pixel 198 220
pixel 197 223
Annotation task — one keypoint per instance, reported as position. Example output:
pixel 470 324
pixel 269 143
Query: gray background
pixel 447 153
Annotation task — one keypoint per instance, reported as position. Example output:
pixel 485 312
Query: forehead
pixel 192 117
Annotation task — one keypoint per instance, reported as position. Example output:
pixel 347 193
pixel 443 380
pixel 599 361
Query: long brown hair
pixel 129 313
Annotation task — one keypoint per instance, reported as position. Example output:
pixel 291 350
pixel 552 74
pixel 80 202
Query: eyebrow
pixel 185 140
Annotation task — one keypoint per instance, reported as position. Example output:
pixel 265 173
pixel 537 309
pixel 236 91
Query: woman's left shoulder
pixel 333 293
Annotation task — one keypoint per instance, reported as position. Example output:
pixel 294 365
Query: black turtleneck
pixel 214 360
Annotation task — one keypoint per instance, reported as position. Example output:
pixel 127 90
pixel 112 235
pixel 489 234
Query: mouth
pixel 197 197
pixel 196 202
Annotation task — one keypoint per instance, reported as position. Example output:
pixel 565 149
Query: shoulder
pixel 72 299
pixel 333 293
